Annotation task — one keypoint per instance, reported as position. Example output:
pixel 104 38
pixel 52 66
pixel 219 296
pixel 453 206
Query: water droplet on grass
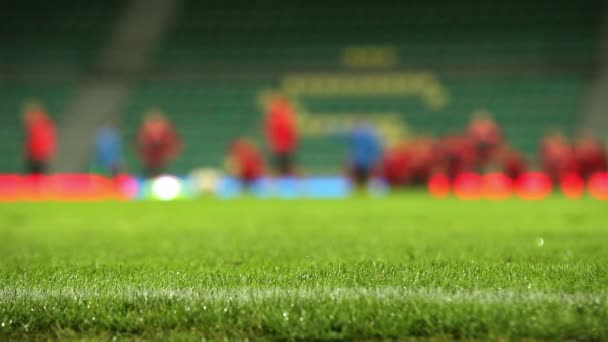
pixel 285 316
pixel 540 242
pixel 3 324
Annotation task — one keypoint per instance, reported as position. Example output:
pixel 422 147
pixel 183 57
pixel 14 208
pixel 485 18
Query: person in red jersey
pixel 591 155
pixel 40 141
pixel 158 143
pixel 558 157
pixel 423 152
pixel 282 135
pixel 458 155
pixel 245 161
pixel 395 165
pixel 511 162
pixel 486 135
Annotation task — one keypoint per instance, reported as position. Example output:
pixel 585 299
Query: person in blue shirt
pixel 365 152
pixel 108 150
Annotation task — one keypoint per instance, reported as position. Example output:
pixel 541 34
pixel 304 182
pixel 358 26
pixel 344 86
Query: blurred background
pixel 392 77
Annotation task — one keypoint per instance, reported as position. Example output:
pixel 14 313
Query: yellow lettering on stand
pixel 370 57
pixel 423 85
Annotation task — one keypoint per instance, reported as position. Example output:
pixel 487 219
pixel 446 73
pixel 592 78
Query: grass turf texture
pixel 354 269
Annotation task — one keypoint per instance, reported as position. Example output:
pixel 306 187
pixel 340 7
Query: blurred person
pixel 158 143
pixel 246 161
pixel 395 164
pixel 109 150
pixel 424 153
pixel 365 152
pixel 411 162
pixel 591 155
pixel 558 157
pixel 40 140
pixel 458 155
pixel 282 135
pixel 487 136
pixel 510 161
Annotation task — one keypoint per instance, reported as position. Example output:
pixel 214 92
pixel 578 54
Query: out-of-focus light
pixel 288 187
pixel 439 186
pixel 127 186
pixel 37 187
pixel 598 186
pixel 229 187
pixel 80 187
pixel 166 187
pixel 11 188
pixel 206 180
pixel 468 186
pixel 534 186
pixel 573 186
pixel 327 187
pixel 378 187
pixel 497 186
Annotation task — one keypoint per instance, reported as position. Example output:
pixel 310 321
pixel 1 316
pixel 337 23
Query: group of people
pixel 482 147
pixel 157 143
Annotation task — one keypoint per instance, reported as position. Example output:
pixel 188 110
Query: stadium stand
pixel 423 33
pixel 528 63
pixel 47 49
pixel 59 33
pixel 210 113
pixel 481 53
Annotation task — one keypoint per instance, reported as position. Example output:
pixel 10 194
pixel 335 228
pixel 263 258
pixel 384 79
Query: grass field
pixel 405 266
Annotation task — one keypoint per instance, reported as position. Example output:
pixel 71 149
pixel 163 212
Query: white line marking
pixel 246 295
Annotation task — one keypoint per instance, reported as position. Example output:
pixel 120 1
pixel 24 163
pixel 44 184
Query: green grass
pixel 405 266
